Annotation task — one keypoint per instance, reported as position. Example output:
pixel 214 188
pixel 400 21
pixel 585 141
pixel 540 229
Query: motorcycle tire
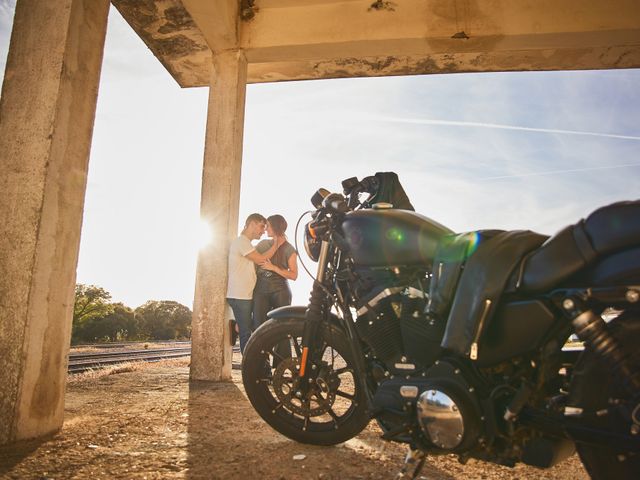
pixel 593 378
pixel 338 411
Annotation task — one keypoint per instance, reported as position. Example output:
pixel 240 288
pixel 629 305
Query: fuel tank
pixel 383 238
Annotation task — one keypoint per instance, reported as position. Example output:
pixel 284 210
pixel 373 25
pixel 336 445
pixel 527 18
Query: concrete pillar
pixel 210 351
pixel 46 111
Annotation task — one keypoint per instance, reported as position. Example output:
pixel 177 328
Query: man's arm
pixel 259 258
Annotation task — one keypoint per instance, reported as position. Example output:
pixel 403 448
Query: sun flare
pixel 204 234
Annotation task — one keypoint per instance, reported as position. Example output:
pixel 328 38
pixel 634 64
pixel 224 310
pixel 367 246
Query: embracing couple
pixel 259 276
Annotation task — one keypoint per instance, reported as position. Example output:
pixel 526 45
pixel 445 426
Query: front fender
pixel 296 311
pixel 288 311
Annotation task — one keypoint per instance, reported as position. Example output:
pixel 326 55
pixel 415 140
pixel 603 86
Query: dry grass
pixel 126 367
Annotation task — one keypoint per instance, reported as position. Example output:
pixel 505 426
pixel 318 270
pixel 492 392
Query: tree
pixel 91 302
pixel 118 325
pixel 164 320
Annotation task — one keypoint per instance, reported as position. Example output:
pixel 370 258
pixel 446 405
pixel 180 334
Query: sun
pixel 203 234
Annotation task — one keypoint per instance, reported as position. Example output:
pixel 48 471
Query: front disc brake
pixel 320 394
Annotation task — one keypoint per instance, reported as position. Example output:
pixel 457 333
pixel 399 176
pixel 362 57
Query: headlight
pixel 311 243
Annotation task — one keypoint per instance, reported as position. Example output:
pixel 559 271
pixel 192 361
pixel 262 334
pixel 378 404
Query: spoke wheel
pixel 325 407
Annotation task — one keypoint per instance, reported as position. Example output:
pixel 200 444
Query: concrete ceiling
pixel 309 39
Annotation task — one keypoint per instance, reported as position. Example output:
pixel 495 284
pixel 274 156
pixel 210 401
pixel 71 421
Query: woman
pixel 272 286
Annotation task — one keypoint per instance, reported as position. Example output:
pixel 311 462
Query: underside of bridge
pixel 48 105
pixel 311 39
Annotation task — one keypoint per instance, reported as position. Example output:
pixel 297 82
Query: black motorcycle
pixel 503 346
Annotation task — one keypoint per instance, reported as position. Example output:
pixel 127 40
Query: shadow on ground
pixel 11 455
pixel 234 442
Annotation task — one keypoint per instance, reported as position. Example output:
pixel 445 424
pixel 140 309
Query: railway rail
pixel 81 362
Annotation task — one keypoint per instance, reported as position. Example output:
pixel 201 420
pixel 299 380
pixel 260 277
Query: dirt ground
pixel 153 424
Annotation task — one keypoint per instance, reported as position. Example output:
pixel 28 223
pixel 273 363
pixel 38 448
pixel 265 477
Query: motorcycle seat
pixel 606 231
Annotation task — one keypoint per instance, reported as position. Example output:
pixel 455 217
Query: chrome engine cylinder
pixel 440 419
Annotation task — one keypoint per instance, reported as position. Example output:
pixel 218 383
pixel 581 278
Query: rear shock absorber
pixel 593 330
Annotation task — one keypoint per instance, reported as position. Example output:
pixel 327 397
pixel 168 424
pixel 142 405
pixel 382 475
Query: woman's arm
pixel 291 273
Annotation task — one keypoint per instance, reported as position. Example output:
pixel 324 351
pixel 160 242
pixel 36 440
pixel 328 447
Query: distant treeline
pixel 97 319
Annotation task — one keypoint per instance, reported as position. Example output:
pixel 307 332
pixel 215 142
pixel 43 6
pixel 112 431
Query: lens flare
pixel 395 234
pixel 204 234
pixel 458 247
pixel 474 241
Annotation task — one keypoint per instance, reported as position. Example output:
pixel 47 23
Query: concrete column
pixel 210 351
pixel 47 111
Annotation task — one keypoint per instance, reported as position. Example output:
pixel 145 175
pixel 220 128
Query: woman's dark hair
pixel 278 224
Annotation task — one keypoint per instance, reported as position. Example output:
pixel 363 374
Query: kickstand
pixel 413 463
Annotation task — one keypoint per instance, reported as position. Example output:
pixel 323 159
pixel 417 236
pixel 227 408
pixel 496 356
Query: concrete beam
pixel 305 39
pixel 355 28
pixel 211 350
pixel 173 37
pixel 218 20
pixel 47 109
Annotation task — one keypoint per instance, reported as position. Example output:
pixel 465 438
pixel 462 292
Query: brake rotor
pixel 321 393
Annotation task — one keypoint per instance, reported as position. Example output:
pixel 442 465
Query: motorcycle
pixel 502 346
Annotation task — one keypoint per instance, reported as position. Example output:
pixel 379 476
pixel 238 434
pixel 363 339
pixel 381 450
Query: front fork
pixel 316 313
pixel 312 343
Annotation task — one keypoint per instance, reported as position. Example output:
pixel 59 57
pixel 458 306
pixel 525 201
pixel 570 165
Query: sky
pixel 520 150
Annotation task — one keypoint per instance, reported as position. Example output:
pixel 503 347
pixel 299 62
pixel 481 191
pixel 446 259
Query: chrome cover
pixel 409 391
pixel 375 300
pixel 440 419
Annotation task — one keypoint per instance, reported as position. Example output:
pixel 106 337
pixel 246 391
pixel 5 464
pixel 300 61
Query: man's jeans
pixel 242 310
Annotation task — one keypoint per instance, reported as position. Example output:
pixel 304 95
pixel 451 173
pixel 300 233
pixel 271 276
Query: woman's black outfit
pixel 271 290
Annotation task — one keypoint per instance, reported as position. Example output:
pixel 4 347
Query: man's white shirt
pixel 242 272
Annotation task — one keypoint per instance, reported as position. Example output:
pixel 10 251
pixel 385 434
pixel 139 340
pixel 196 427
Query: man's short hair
pixel 254 217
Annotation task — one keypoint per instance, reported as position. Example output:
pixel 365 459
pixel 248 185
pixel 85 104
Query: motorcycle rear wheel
pixel 599 388
pixel 332 412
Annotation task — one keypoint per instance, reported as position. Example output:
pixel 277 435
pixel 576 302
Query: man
pixel 242 273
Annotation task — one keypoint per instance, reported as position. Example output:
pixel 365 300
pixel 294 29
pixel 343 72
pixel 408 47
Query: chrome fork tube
pixel 322 261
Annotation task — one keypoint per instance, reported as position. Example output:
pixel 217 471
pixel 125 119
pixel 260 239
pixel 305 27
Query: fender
pixel 299 312
pixel 288 311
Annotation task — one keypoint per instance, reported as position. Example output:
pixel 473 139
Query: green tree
pixel 164 320
pixel 91 303
pixel 118 325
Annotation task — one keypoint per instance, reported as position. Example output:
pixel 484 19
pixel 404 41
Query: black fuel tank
pixel 379 238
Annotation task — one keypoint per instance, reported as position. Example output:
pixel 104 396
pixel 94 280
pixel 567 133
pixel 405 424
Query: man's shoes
pixel 233 333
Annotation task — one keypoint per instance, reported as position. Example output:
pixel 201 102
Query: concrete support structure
pixel 47 111
pixel 211 353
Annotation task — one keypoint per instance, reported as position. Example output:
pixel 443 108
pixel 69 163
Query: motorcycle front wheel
pixel 333 408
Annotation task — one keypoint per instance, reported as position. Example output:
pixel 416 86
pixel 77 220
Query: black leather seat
pixel 608 230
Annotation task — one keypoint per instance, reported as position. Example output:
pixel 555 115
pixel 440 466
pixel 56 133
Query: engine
pixel 426 398
pixel 414 387
pixel 440 403
pixel 391 319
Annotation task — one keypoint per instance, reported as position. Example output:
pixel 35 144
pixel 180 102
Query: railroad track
pixel 81 362
pixel 123 345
